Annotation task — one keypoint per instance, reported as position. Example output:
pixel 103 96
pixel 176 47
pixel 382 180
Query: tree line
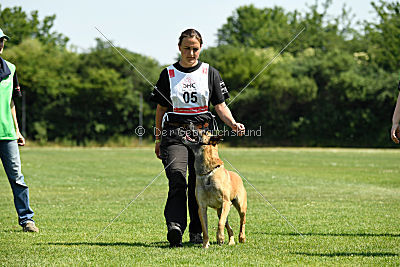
pixel 335 85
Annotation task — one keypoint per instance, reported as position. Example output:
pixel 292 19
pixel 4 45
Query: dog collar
pixel 208 173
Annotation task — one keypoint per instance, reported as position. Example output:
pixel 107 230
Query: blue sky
pixel 152 28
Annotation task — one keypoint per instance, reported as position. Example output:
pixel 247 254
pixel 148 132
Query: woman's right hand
pixel 395 133
pixel 157 149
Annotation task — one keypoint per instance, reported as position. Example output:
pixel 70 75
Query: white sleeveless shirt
pixel 189 91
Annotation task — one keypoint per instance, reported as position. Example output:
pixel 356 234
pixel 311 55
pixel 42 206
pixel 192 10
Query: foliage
pixel 383 37
pixel 91 96
pixel 18 26
pixel 274 27
pixel 253 27
pixel 334 85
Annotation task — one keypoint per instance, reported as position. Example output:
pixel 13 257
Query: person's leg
pixel 194 225
pixel 175 209
pixel 9 153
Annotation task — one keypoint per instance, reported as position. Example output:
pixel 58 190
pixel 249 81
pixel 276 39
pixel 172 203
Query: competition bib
pixel 189 91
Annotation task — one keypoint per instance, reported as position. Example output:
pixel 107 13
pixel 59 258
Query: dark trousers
pixel 182 158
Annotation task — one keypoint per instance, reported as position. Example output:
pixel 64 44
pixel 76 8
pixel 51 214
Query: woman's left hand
pixel 238 128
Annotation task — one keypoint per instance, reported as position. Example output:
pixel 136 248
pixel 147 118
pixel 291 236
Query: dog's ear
pixel 215 139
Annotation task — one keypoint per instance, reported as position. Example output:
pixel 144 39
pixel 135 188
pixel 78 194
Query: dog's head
pixel 197 138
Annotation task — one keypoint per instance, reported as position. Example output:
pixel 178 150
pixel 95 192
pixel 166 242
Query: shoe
pixel 195 238
pixel 174 237
pixel 30 227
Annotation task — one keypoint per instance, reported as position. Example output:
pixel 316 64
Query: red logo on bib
pixel 171 73
pixel 204 70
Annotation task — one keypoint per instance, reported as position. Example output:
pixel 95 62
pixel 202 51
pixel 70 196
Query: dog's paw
pixel 220 239
pixel 206 245
pixel 242 239
pixel 231 241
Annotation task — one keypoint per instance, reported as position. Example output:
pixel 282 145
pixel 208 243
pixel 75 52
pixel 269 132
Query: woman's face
pixel 190 51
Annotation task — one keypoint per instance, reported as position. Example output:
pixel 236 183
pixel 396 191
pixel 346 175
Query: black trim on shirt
pixel 17 90
pixel 219 92
pixel 161 95
pixel 4 69
pixel 187 70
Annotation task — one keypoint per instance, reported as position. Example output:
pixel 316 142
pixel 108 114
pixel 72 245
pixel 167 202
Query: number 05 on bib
pixel 189 91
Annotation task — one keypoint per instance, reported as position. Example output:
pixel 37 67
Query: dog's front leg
pixel 228 228
pixel 204 226
pixel 226 205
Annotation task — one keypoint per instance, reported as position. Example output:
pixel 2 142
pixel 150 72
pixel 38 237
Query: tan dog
pixel 216 187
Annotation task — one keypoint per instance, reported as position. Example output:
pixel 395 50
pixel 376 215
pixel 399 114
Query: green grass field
pixel 346 203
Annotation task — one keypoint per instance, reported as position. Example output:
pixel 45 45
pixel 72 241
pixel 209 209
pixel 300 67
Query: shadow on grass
pixel 126 244
pixel 12 231
pixel 335 234
pixel 349 254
